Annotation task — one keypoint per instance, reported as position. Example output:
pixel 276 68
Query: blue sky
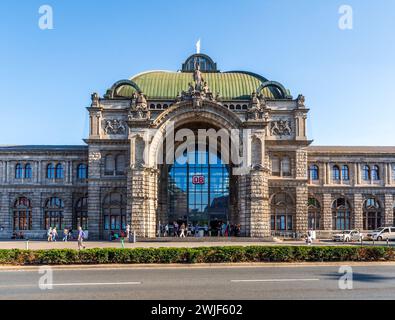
pixel 347 76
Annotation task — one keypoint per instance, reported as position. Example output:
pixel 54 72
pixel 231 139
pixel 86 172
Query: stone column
pixel 358 173
pixel 68 210
pixel 327 212
pixel 388 210
pixel 301 164
pixel 94 198
pixel 302 195
pixel 5 219
pixel 244 204
pixel 328 173
pixel 143 199
pixel 357 217
pixel 259 207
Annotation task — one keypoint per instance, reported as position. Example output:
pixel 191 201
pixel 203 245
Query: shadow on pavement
pixel 361 277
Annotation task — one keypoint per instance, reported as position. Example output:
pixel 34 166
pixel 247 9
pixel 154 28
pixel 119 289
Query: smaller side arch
pixel 275 84
pixel 112 93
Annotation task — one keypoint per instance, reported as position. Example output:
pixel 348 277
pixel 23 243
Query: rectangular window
pixel 106 222
pixel 286 167
pixel 289 223
pixel 276 166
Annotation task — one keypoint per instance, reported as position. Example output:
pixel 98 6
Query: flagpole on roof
pixel 198 46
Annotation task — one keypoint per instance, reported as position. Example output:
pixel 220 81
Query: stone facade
pixel 288 187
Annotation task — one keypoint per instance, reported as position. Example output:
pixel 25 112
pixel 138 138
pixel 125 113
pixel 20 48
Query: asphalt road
pixel 201 283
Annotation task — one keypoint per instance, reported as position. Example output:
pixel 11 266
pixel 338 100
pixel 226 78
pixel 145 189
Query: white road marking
pixel 83 284
pixel 275 280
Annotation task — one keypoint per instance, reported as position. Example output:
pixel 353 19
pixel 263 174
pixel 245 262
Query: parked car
pixel 383 233
pixel 348 235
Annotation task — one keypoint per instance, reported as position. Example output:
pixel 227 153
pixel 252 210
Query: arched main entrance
pixel 198 192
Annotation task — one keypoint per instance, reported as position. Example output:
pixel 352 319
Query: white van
pixel 383 233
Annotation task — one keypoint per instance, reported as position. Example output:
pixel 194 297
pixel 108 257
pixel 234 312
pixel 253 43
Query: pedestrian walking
pixel 49 234
pixel 65 235
pixel 128 232
pixel 175 228
pixel 54 234
pixel 309 238
pixel 70 234
pixel 182 231
pixel 81 237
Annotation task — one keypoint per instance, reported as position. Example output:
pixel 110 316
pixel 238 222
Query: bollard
pixel 388 242
pixel 27 244
pixel 132 237
pixel 123 243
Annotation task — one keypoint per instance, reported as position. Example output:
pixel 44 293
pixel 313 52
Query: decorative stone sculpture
pixel 198 91
pixel 300 101
pixel 256 108
pixel 280 128
pixel 95 99
pixel 139 107
pixel 114 126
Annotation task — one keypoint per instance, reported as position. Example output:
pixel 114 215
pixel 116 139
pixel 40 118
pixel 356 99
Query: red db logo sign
pixel 198 180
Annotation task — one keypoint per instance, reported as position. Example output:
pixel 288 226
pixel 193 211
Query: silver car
pixel 347 236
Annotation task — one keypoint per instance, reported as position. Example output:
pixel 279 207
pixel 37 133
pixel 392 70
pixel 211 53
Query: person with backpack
pixel 81 236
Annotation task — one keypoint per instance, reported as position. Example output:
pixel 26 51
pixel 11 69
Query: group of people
pixel 52 235
pixel 217 228
pixel 122 234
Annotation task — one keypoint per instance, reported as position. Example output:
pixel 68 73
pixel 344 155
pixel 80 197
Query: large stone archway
pixel 147 190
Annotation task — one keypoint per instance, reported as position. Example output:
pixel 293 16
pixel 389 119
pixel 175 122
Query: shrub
pixel 196 255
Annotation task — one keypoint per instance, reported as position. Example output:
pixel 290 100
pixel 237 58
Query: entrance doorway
pixel 198 193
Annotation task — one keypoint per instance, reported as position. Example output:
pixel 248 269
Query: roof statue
pixel 197 77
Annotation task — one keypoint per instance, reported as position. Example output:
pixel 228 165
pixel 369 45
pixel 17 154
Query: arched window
pixel 28 171
pixel 314 212
pixel 18 171
pixel 314 172
pixel 22 216
pixel 50 171
pixel 375 173
pixel 366 173
pixel 282 212
pixel 59 171
pixel 53 213
pixel 81 214
pixel 341 214
pixel 82 171
pixel 109 165
pixel 114 212
pixel 372 214
pixel 120 165
pixel 345 173
pixel 336 173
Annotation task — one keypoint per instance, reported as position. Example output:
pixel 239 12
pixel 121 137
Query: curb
pixel 4 268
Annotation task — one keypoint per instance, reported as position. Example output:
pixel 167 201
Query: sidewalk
pixel 166 242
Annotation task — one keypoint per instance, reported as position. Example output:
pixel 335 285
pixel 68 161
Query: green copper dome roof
pixel 167 85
